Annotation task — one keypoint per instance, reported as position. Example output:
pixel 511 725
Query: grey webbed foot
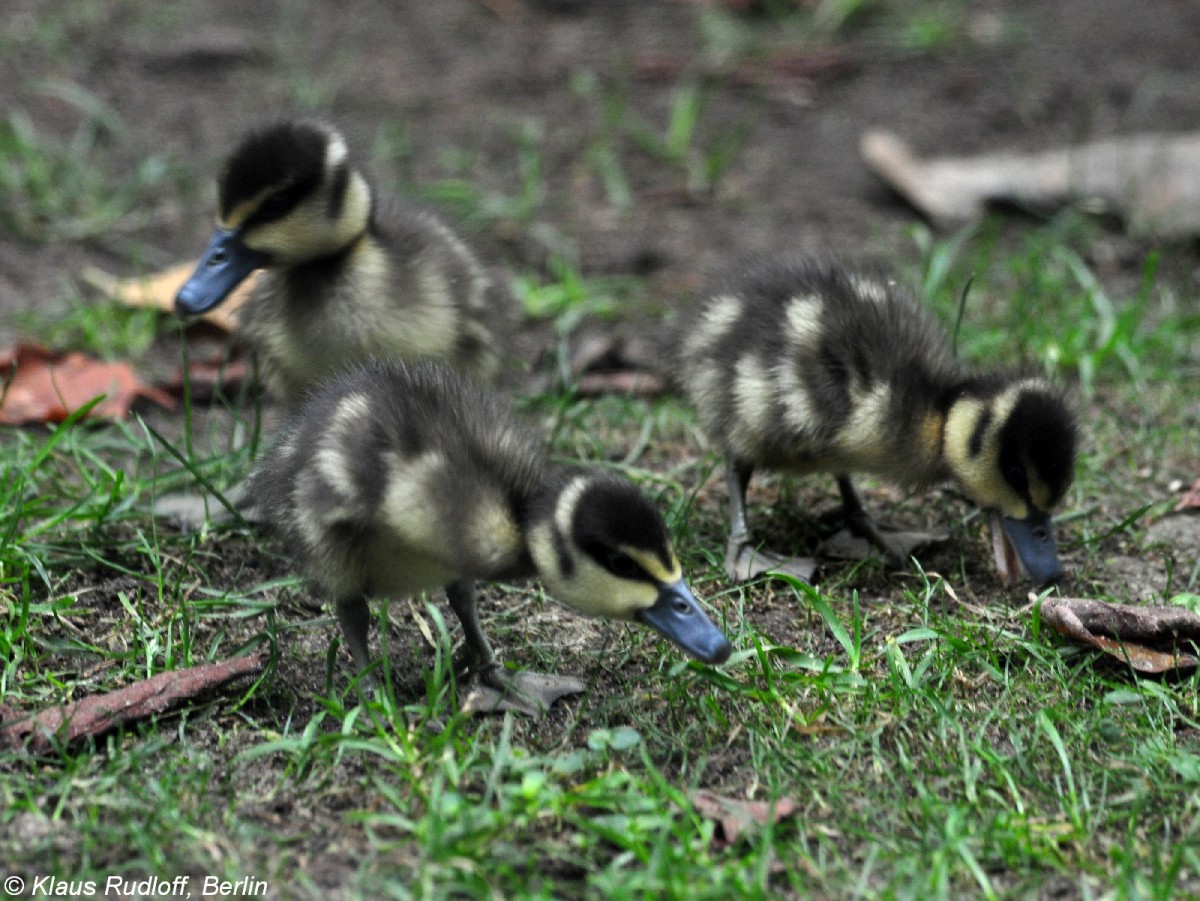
pixel 744 561
pixel 496 690
pixel 862 533
pixel 193 511
pixel 896 545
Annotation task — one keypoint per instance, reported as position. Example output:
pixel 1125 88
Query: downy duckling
pixel 343 282
pixel 396 478
pixel 811 367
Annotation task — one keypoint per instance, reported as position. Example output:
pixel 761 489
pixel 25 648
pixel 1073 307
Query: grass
pixel 936 739
pixel 55 188
pixel 933 747
pixel 694 151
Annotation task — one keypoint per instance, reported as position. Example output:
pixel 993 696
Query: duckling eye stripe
pixel 566 563
pixel 654 567
pixel 234 218
pixel 337 190
pixel 975 444
pixel 277 204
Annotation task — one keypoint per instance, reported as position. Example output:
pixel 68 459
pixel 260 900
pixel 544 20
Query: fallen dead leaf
pixel 735 817
pixel 1190 499
pixel 158 291
pixel 1152 180
pixel 633 382
pixel 48 387
pixel 1147 637
pixel 208 49
pixel 66 725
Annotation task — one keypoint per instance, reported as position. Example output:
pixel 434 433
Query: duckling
pixel 396 478
pixel 343 282
pixel 811 367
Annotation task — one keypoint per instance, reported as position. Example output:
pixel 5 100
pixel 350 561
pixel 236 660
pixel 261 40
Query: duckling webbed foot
pixel 898 546
pixel 745 561
pixel 495 690
pixel 862 533
pixel 192 511
pixel 492 688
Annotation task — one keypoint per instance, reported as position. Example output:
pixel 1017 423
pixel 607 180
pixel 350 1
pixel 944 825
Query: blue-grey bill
pixel 1029 542
pixel 225 264
pixel 677 616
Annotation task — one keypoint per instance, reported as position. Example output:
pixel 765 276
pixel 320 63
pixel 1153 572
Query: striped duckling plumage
pixel 812 367
pixel 344 280
pixel 398 478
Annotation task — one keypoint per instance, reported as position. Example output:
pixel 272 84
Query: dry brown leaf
pixel 629 381
pixel 734 817
pixel 1152 180
pixel 1147 637
pixel 48 387
pixel 94 716
pixel 158 291
pixel 1190 499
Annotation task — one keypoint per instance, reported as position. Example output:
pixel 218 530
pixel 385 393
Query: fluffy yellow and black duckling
pixel 811 367
pixel 345 281
pixel 397 478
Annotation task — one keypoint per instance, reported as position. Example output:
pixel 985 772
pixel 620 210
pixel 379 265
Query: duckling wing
pixel 399 478
pixel 451 306
pixel 813 367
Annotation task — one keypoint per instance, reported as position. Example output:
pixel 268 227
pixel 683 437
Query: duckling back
pixel 809 366
pixel 396 478
pixel 409 290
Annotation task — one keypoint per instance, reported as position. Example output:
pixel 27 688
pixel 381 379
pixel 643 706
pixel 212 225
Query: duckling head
pixel 287 194
pixel 602 549
pixel 1011 445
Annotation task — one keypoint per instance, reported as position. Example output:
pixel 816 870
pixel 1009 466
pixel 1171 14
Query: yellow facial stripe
pixel 1038 492
pixel 239 213
pixel 652 565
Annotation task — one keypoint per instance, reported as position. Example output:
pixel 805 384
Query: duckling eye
pixel 1016 478
pixel 622 565
pixel 274 206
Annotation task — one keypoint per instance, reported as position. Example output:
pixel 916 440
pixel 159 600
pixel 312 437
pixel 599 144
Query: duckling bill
pixel 809 366
pixel 345 279
pixel 396 478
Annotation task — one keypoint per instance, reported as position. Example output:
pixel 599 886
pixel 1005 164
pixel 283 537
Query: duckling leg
pixel 896 546
pixel 523 692
pixel 743 560
pixel 354 617
pixel 860 523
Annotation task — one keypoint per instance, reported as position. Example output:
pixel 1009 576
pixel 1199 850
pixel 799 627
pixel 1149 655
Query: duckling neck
pixel 546 522
pixel 312 278
pixel 970 417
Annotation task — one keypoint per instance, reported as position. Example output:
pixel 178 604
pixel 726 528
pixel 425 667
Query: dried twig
pixel 94 716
